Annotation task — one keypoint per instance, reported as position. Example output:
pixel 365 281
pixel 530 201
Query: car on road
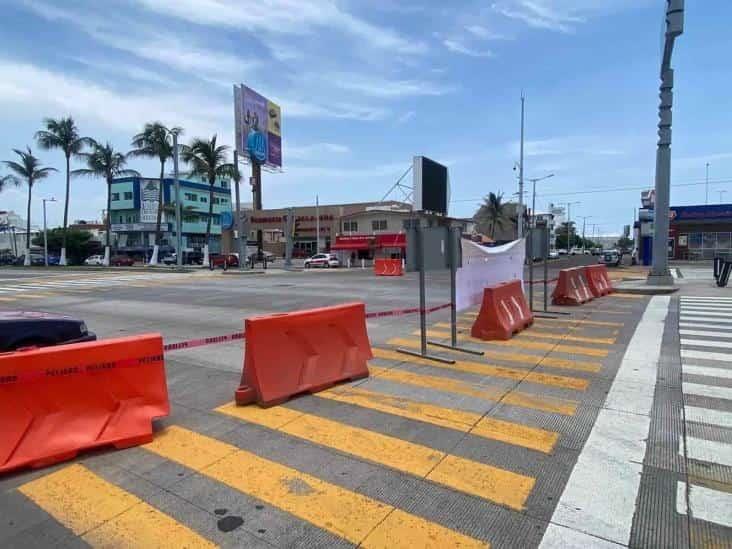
pixel 611 258
pixel 322 260
pixel 54 259
pixel 222 260
pixel 95 260
pixel 189 258
pixel 35 259
pixel 121 261
pixel 562 251
pixel 20 329
pixel 553 254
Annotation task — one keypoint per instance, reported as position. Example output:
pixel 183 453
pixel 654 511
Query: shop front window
pixel 724 241
pixel 695 241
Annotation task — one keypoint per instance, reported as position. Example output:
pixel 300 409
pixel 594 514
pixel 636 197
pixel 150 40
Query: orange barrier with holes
pixel 504 312
pixel 598 280
pixel 58 401
pixel 571 288
pixel 303 351
pixel 388 267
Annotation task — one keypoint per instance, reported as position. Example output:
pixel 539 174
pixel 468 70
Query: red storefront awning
pixel 398 240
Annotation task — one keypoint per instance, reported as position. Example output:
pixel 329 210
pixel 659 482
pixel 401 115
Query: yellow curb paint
pixel 477 479
pixel 459 420
pixel 581 321
pixel 350 515
pixel 104 515
pixel 626 296
pixel 523 344
pixel 530 360
pixel 532 332
pixel 488 370
pixel 493 394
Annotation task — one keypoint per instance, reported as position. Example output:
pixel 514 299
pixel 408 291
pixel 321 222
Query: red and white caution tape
pixel 203 341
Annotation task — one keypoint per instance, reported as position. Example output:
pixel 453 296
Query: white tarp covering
pixel 487 266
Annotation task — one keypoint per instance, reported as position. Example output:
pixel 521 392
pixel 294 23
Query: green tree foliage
pixel 79 244
pixel 491 214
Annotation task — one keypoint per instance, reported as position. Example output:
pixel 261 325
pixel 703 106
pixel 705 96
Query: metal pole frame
pixel 520 231
pixel 422 306
pixel 241 243
pixel 178 209
pixel 45 236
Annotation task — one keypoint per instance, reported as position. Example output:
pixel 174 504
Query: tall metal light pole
pixel 533 194
pixel 178 209
pixel 659 274
pixel 45 231
pixel 569 223
pixel 584 223
pixel 706 201
pixel 520 231
pixel 241 243
pixel 317 225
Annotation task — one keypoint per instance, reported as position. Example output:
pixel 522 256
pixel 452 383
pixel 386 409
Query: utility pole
pixel 45 231
pixel 520 232
pixel 178 209
pixel 257 196
pixel 706 201
pixel 584 222
pixel 241 243
pixel 317 225
pixel 569 224
pixel 533 194
pixel 659 274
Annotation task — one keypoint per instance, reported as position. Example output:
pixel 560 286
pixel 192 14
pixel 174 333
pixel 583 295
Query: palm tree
pixel 104 161
pixel 29 169
pixel 63 134
pixel 208 161
pixel 155 141
pixel 492 212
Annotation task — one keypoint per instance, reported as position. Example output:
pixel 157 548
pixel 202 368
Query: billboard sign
pixel 258 127
pixel 150 195
pixel 431 184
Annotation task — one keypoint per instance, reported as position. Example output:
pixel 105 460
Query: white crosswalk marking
pixel 709 318
pixel 96 282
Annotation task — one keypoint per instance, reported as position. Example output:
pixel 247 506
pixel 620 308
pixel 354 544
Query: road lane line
pixel 104 515
pixel 529 360
pixel 531 332
pixel 600 496
pixel 479 368
pixel 522 344
pixel 459 420
pixel 350 515
pixel 708 416
pixel 709 451
pixel 706 504
pixel 706 355
pixel 710 391
pixel 493 394
pixel 706 371
pixel 477 479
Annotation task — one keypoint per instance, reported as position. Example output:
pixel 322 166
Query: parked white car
pixel 94 260
pixel 322 260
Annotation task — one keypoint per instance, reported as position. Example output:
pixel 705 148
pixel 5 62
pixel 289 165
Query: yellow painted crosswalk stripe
pixel 105 515
pixel 523 344
pixel 459 420
pixel 626 296
pixel 530 360
pixel 493 394
pixel 487 370
pixel 572 321
pixel 350 515
pixel 553 328
pixel 477 479
pixel 532 332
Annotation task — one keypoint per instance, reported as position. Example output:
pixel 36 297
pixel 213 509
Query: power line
pixel 613 189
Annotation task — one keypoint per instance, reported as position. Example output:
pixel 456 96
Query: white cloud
pixel 458 47
pixel 380 87
pixel 284 17
pixel 565 146
pixel 483 33
pixel 315 151
pixel 406 117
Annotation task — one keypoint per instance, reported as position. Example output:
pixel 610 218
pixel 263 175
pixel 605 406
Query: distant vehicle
pixel 35 260
pixel 54 259
pixel 322 260
pixel 611 258
pixel 7 258
pixel 189 258
pixel 575 251
pixel 553 254
pixel 221 260
pixel 562 251
pixel 268 255
pixel 596 251
pixel 95 260
pixel 121 261
pixel 20 329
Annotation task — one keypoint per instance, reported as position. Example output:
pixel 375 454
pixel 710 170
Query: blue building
pixel 134 208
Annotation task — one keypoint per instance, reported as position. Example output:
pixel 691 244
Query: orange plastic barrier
pixel 571 288
pixel 57 401
pixel 598 280
pixel 303 351
pixel 388 267
pixel 504 312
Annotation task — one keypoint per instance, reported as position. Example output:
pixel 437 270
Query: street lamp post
pixel 706 184
pixel 178 222
pixel 533 194
pixel 45 231
pixel 569 223
pixel 584 222
pixel 659 274
pixel 520 231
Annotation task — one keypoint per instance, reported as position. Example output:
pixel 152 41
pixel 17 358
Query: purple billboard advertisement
pixel 258 127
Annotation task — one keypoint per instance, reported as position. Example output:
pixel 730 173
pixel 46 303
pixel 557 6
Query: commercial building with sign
pixel 134 208
pixel 695 232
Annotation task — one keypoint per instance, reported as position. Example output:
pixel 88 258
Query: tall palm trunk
pixel 211 183
pixel 109 212
pixel 28 223
pixel 158 232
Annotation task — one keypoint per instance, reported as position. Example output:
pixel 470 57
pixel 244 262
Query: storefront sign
pixel 138 227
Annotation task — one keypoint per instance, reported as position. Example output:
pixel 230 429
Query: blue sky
pixel 366 85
